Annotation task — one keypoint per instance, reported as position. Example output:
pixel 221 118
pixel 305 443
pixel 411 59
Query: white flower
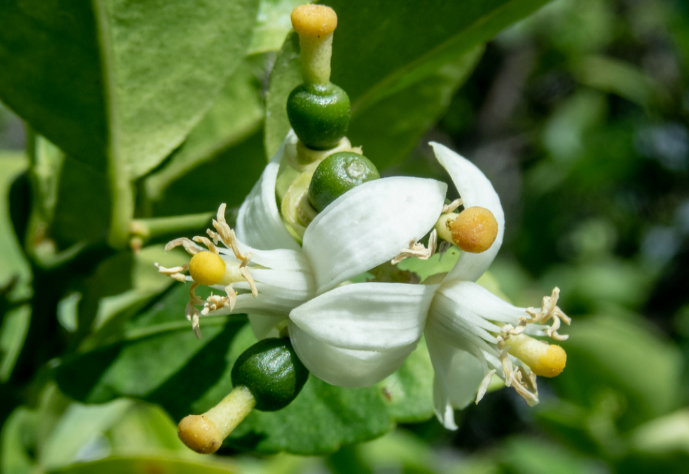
pixel 267 273
pixel 356 335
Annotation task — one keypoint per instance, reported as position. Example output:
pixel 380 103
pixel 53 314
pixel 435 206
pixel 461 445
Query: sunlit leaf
pixel 119 80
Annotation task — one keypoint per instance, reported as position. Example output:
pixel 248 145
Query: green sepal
pixel 272 372
pixel 319 114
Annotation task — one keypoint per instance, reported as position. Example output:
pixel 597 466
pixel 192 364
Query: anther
pixel 474 230
pixel 207 268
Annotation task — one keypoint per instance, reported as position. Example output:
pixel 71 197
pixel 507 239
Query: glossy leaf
pixel 374 59
pixel 105 79
pixel 236 113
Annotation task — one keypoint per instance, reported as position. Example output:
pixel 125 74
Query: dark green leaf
pixel 227 176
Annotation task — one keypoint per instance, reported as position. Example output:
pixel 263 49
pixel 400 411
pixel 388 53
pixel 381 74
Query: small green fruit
pixel 337 174
pixel 272 372
pixel 319 114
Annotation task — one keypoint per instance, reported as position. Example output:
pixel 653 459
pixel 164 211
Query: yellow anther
pixel 474 230
pixel 543 359
pixel 314 20
pixel 207 268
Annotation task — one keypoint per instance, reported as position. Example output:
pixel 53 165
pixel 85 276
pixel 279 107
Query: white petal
pixel 345 367
pixel 367 316
pixel 369 225
pixel 475 303
pixel 441 358
pixel 458 375
pixel 259 223
pixel 265 303
pixel 279 259
pixel 264 325
pixel 475 190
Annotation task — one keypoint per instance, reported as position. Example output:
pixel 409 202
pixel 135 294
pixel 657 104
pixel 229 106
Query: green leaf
pixel 381 50
pixel 237 113
pixel 14 449
pixel 113 79
pixel 227 176
pixel 623 354
pixel 390 128
pixel 272 25
pixel 13 264
pixel 146 465
pixel 79 425
pixel 159 360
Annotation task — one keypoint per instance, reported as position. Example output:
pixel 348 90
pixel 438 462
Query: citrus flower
pixel 358 334
pixel 264 272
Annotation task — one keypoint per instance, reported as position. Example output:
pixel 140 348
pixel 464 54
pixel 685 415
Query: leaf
pixel 236 114
pixel 146 465
pixel 159 360
pixel 272 25
pixel 119 80
pixel 13 264
pixel 623 354
pixel 380 50
pixel 227 176
pixel 79 425
pixel 14 453
pixel 390 128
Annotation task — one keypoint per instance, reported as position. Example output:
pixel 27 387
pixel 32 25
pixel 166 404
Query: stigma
pixel 207 268
pixel 545 360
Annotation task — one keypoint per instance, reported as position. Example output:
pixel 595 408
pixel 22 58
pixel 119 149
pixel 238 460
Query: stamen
pixel 452 206
pixel 244 270
pixel 188 245
pixel 418 250
pixel 209 245
pixel 549 310
pixel 484 385
pixel 176 273
pixel 191 312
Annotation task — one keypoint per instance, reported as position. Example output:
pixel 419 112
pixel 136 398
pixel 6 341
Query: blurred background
pixel 579 115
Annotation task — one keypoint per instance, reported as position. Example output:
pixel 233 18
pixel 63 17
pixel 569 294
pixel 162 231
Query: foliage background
pixel 578 115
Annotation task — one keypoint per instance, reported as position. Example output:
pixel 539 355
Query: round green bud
pixel 337 174
pixel 272 372
pixel 319 114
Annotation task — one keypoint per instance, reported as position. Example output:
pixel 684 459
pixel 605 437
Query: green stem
pixel 159 227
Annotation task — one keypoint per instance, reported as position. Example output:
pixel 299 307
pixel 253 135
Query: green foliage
pixel 159 360
pixel 142 117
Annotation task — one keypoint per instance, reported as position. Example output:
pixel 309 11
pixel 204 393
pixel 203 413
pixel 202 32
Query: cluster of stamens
pixel 208 268
pixel 542 359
